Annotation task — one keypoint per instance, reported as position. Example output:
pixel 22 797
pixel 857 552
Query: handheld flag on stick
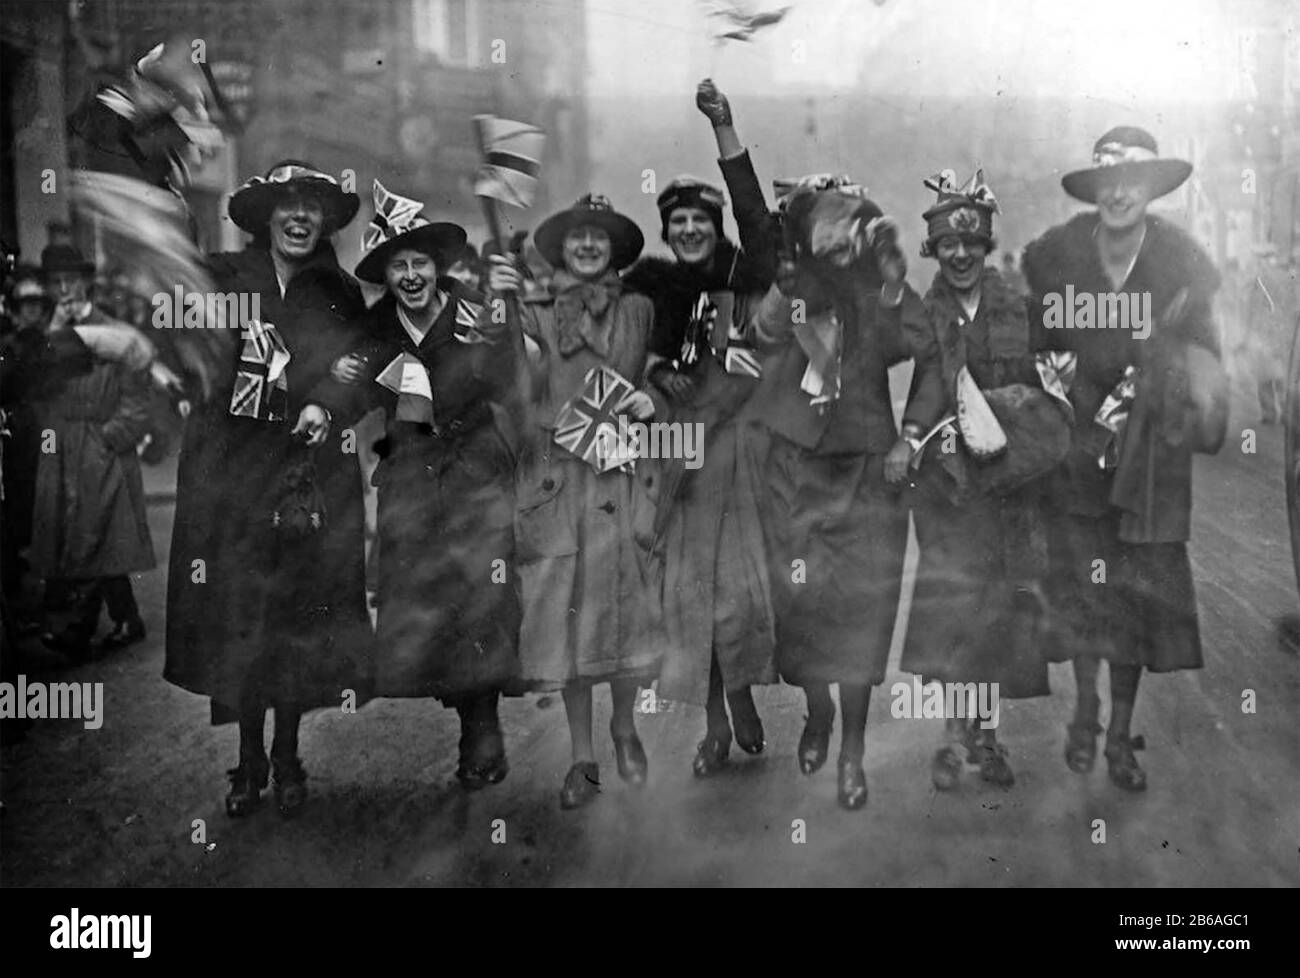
pixel 588 425
pixel 512 154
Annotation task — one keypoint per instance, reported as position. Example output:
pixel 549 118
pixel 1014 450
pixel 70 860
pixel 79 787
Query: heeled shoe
pixel 1122 765
pixel 814 745
pixel 581 785
pixel 1081 746
pixel 711 755
pixel 246 784
pixel 946 768
pixel 629 755
pixel 290 783
pixel 852 786
pixel 746 723
pixel 994 767
pixel 480 767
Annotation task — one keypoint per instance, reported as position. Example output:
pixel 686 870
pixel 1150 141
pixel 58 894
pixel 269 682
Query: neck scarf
pixel 581 306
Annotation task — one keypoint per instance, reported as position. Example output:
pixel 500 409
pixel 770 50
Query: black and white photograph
pixel 679 444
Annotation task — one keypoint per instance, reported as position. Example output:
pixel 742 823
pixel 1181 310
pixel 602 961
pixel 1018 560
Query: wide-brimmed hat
pixel 252 204
pixel 398 224
pixel 967 211
pixel 1129 152
pixel 625 238
pixel 65 258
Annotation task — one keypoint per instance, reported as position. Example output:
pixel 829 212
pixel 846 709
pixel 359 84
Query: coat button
pixel 607 506
pixel 548 484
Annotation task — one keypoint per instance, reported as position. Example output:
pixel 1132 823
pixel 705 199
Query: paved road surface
pixel 116 806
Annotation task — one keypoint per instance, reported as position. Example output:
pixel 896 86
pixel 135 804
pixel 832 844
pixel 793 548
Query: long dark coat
pixel 837 532
pixel 289 620
pixel 717 597
pixel 1135 518
pixel 448 594
pixel 89 517
pixel 977 609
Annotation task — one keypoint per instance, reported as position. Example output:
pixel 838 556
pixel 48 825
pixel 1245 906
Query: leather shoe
pixel 290 783
pixel 1122 765
pixel 814 745
pixel 246 784
pixel 629 754
pixel 1081 746
pixel 711 755
pixel 852 783
pixel 746 723
pixel 581 785
pixel 124 633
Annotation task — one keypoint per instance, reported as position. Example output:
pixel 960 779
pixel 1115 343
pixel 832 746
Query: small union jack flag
pixel 588 425
pixel 467 326
pixel 394 215
pixel 261 388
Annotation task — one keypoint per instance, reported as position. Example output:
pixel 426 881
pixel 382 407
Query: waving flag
pixel 588 427
pixel 261 388
pixel 467 328
pixel 512 153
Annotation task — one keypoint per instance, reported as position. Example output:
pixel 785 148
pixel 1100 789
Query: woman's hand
pixel 897 461
pixel 314 424
pixel 675 384
pixel 347 369
pixel 638 404
pixel 503 276
pixel 713 103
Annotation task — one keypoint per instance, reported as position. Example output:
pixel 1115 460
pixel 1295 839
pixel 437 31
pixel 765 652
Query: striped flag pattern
pixel 512 160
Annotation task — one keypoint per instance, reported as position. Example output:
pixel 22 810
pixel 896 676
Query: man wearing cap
pixel 1144 401
pixel 717 596
pixel 266 589
pixel 90 530
pixel 448 611
pixel 976 611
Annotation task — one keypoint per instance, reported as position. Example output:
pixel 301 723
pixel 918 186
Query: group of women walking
pixel 516 555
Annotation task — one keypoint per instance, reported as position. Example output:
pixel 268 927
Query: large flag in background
pixel 587 426
pixel 739 20
pixel 512 153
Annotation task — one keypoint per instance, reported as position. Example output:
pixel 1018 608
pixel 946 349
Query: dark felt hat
pixel 1130 152
pixel 398 223
pixel 65 258
pixel 252 204
pixel 625 238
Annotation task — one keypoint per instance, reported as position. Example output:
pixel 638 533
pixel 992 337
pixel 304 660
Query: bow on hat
pixel 976 191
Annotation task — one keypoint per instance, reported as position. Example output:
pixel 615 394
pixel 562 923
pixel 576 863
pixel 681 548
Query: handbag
pixel 298 507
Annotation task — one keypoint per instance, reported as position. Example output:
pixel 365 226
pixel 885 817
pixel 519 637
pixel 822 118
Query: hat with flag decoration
pixel 967 212
pixel 625 238
pixel 398 224
pixel 1130 153
pixel 252 204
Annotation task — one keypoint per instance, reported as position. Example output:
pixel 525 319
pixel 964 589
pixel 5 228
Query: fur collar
pixel 1170 257
pixel 656 276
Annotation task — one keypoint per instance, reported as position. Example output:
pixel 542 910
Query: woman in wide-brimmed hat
pixel 448 614
pixel 266 592
pixel 1144 400
pixel 977 611
pixel 582 512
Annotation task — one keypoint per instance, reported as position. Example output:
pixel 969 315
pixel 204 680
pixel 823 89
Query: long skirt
pixel 1134 604
pixel 717 595
pixel 448 603
pixel 978 609
pixel 837 534
pixel 590 585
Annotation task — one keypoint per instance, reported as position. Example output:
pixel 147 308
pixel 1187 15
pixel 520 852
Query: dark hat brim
pixel 625 238
pixel 441 241
pixel 1161 175
pixel 251 207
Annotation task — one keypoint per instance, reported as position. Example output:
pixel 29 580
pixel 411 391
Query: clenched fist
pixel 713 103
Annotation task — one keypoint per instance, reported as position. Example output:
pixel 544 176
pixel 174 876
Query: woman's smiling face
pixel 587 251
pixel 961 259
pixel 296 226
pixel 412 278
pixel 692 235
